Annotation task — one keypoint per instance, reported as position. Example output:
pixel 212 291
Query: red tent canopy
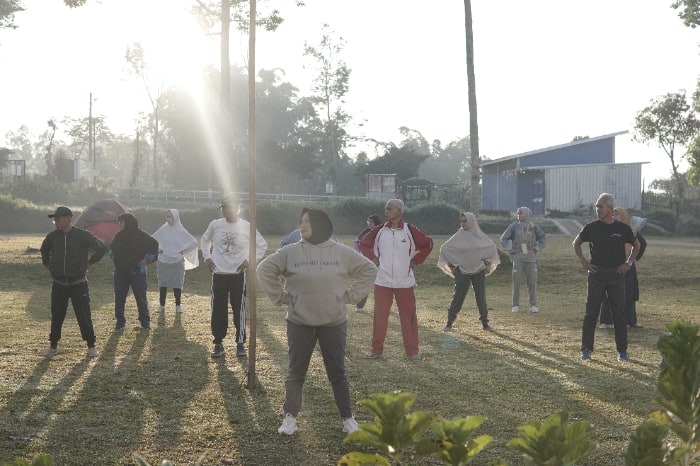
pixel 100 219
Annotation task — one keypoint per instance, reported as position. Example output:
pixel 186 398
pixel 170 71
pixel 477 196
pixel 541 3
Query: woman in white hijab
pixel 468 256
pixel 178 251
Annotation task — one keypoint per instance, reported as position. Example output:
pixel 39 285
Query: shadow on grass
pixel 130 396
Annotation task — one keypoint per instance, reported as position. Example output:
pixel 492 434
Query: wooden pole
pixel 251 194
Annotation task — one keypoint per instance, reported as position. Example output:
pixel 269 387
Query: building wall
pixel 568 188
pixel 499 190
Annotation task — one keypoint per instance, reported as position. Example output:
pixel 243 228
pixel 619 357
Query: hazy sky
pixel 546 70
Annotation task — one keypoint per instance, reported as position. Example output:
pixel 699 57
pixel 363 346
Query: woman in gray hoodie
pixel 315 279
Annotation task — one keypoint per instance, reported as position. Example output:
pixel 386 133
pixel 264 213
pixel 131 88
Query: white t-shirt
pixel 226 244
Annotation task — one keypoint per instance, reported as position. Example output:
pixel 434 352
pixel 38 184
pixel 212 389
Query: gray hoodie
pixel 316 281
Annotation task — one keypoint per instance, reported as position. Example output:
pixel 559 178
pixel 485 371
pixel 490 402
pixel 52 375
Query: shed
pixel 562 177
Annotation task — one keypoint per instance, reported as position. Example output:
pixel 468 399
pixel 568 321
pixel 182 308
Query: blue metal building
pixel 563 177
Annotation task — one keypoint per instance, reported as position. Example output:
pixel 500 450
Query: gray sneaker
pixel 92 352
pixel 51 351
pixel 372 356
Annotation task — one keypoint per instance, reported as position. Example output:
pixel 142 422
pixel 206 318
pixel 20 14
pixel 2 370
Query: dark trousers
pixel 462 283
pixel 630 300
pixel 601 282
pixel 177 292
pixel 302 340
pixel 80 297
pixel 225 289
pixel 138 284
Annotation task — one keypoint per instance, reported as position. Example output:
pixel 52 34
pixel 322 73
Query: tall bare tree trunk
pixel 475 166
pixel 225 103
pixel 156 129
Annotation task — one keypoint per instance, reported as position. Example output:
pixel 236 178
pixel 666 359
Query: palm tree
pixel 475 196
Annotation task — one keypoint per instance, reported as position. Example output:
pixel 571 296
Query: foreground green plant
pixel 554 442
pixel 394 432
pixel 679 396
pixel 399 435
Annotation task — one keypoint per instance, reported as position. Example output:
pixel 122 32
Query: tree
pixel 404 161
pixel 689 11
pixel 135 56
pixel 475 166
pixel 224 12
pixel 4 156
pixel 8 8
pixel 20 143
pixel 669 121
pixel 330 86
pixel 449 164
pixel 50 163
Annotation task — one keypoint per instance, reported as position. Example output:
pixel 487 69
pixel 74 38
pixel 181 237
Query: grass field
pixel 159 393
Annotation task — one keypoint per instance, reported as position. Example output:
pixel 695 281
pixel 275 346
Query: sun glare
pixel 176 50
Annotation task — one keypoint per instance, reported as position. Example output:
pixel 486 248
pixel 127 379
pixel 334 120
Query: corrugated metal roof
pixel 547 149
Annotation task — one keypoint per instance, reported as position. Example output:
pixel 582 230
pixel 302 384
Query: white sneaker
pixel 92 352
pixel 534 309
pixel 51 351
pixel 350 425
pixel 160 309
pixel 603 325
pixel 178 309
pixel 516 309
pixel 289 425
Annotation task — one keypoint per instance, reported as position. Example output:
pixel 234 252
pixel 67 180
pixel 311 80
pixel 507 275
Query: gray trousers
pixel 529 269
pixel 302 341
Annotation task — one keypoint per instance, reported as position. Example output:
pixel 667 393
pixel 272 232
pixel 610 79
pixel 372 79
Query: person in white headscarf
pixel 469 256
pixel 178 251
pixel 523 240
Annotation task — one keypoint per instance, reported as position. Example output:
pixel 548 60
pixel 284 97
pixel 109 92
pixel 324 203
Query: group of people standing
pixel 314 277
pixel 68 251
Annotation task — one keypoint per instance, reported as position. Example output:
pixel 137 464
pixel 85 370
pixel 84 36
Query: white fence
pixel 214 197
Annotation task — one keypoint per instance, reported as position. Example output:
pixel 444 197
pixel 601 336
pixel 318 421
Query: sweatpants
pixel 228 289
pixel 80 298
pixel 605 280
pixel 529 269
pixel 406 303
pixel 302 341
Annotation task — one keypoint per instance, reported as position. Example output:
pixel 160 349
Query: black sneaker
pixel 218 351
pixel 240 350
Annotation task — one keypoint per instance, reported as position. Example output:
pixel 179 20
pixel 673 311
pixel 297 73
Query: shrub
pixel 689 226
pixel 665 218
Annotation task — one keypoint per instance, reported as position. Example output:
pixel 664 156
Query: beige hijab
pixel 469 249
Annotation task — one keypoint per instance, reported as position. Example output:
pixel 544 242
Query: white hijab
pixel 176 243
pixel 469 249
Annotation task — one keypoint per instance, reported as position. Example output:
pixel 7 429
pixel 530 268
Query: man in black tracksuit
pixel 66 253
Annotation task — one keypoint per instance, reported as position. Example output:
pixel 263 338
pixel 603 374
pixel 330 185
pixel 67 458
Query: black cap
pixel 61 212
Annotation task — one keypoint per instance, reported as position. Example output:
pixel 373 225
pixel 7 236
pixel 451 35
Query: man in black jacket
pixel 67 252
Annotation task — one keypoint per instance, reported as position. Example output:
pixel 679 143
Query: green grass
pixel 160 394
